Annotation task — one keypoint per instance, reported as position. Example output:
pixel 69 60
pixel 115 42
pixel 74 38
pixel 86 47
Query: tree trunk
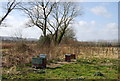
pixel 60 37
pixel 56 36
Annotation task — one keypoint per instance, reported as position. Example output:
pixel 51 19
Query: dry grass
pixel 7 45
pixel 15 57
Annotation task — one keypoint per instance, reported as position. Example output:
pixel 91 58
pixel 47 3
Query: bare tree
pixel 39 12
pixel 54 17
pixel 70 34
pixel 63 15
pixel 10 6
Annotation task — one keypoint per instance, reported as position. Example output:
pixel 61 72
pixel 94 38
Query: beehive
pixel 39 62
pixel 73 56
pixel 68 57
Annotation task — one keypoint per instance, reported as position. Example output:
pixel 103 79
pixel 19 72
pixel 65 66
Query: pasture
pixel 92 62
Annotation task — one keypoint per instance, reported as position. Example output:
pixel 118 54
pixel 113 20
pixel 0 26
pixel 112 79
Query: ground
pixel 91 63
pixel 90 68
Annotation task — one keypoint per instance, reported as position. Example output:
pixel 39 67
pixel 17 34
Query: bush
pixel 22 47
pixel 44 41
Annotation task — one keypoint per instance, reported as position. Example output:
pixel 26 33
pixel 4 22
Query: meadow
pixel 92 62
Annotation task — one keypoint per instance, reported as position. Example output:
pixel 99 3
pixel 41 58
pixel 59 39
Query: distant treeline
pixel 18 40
pixel 74 43
pixel 99 44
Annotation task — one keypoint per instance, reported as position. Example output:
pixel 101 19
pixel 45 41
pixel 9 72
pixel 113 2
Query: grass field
pixel 91 68
pixel 91 63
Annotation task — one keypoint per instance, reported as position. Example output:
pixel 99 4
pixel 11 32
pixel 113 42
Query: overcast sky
pixel 98 22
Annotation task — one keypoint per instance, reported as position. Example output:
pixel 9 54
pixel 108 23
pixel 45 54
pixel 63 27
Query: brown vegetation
pixel 7 45
pixel 22 53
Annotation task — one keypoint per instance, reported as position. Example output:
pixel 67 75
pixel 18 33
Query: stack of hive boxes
pixel 39 62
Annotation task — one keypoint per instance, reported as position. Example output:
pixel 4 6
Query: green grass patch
pixel 93 68
pixel 4 50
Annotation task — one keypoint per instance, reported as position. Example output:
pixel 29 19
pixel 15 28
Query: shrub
pixel 44 41
pixel 21 47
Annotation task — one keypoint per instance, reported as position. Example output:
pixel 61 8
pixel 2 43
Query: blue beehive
pixel 36 60
pixel 39 62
